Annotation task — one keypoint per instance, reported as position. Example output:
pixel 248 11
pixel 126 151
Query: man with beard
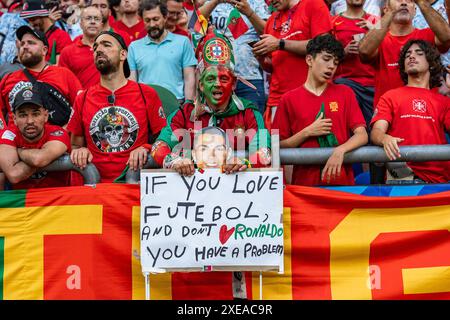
pixel 78 57
pixel 36 14
pixel 174 11
pixel 32 144
pixel 113 120
pixel 104 7
pixel 163 58
pixel 131 21
pixel 33 48
pixel 382 46
pixel 322 114
pixel 215 105
pixel 414 115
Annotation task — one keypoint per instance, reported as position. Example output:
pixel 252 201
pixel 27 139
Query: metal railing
pixel 311 156
pixel 90 173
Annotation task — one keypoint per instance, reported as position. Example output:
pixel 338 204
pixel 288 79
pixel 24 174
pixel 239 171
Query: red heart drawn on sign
pixel 225 234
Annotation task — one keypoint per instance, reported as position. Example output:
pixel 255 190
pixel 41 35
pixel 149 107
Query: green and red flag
pixel 53 54
pixel 236 24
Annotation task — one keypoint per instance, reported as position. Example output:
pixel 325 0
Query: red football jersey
pixel 387 74
pixel 352 68
pixel 61 78
pixel 79 58
pixel 299 108
pixel 113 130
pixel 304 21
pixel 58 37
pixel 134 32
pixel 12 137
pixel 419 116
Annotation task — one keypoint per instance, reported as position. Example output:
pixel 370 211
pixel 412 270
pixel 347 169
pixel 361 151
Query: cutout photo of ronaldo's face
pixel 210 149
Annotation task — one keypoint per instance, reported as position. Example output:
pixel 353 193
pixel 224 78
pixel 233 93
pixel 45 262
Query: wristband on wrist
pixel 282 44
pixel 147 146
pixel 246 162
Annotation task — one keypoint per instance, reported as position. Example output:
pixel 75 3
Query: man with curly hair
pixel 322 114
pixel 414 115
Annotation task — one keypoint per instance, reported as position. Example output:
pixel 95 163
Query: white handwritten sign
pixel 211 221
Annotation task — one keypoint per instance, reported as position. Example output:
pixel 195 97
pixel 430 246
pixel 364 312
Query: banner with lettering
pixel 211 221
pixel 374 243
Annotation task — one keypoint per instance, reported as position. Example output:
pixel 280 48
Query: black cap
pixel 118 37
pixel 26 96
pixel 23 30
pixel 34 8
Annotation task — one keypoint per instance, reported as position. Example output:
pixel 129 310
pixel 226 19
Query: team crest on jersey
pixel 334 107
pixel 114 129
pixel 419 105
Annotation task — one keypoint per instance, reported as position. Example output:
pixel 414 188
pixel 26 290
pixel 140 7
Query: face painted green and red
pixel 217 84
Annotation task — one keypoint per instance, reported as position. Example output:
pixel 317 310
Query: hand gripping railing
pixel 90 173
pixel 309 156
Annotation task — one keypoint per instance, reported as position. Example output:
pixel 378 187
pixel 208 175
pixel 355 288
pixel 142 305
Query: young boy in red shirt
pixel 322 114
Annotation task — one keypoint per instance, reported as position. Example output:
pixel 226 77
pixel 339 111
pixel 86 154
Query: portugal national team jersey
pixel 352 68
pixel 304 21
pixel 12 137
pixel 79 58
pixel 419 116
pixel 299 108
pixel 387 74
pixel 114 128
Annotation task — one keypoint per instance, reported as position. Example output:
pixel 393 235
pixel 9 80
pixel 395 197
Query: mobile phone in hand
pixel 252 44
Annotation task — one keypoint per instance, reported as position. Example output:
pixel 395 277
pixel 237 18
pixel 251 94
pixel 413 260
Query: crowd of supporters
pixel 91 78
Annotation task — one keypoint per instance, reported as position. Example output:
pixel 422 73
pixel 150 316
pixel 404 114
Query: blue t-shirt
pixel 246 64
pixel 162 63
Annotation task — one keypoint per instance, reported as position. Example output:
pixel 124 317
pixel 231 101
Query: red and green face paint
pixel 217 84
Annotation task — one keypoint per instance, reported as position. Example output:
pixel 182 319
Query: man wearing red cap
pixel 113 120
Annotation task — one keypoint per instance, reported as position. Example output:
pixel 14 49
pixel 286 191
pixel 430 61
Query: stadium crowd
pixel 91 78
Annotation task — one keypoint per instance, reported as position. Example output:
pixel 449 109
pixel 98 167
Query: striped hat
pixel 34 8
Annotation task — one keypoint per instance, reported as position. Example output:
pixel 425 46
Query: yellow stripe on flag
pixel 351 240
pixel 277 286
pixel 24 230
pixel 426 280
pixel 160 284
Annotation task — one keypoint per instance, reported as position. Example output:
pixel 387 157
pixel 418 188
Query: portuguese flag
pixel 389 242
pixel 236 24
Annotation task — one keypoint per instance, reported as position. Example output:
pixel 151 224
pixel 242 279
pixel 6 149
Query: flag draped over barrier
pixel 83 243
